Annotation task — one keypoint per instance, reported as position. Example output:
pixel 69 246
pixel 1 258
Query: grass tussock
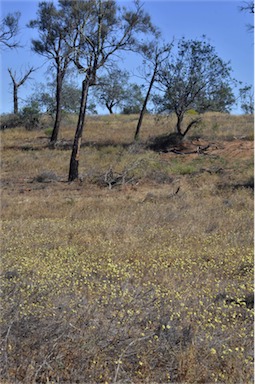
pixel 147 278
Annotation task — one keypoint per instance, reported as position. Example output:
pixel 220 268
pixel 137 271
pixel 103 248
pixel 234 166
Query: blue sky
pixel 221 21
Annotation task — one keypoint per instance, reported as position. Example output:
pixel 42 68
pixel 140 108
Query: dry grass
pixel 121 128
pixel 134 284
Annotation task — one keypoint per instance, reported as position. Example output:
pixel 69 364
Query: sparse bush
pixel 30 116
pixel 192 112
pixel 48 132
pixel 10 121
pixel 46 177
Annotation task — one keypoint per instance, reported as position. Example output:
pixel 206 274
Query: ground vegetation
pixel 141 271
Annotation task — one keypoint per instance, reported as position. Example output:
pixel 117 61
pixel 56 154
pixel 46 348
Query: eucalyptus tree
pixel 53 27
pixel 44 96
pixel 134 99
pixel 110 91
pixel 16 84
pixel 100 29
pixel 195 77
pixel 9 28
pixel 114 91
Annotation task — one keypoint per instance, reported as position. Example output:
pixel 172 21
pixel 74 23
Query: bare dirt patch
pixel 242 149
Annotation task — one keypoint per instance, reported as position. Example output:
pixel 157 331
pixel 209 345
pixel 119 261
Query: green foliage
pixel 192 112
pixel 9 27
pixel 48 132
pixel 196 78
pixel 111 89
pixel 30 115
pixel 51 23
pixel 10 121
pixel 246 95
pixel 71 96
pixel 44 97
pixel 54 28
pixel 133 99
pixel 131 109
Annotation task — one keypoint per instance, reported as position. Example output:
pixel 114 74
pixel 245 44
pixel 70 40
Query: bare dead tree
pixel 16 84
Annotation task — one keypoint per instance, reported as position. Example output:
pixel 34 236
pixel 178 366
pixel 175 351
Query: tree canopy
pixel 110 91
pixel 195 78
pixel 44 96
pixel 53 27
pixel 100 29
pixel 9 28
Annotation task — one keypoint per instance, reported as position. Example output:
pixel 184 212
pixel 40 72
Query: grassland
pixel 144 278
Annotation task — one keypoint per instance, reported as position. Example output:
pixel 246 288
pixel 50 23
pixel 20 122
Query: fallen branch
pixel 199 150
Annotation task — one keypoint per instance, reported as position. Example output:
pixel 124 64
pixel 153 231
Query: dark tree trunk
pixel 16 85
pixel 15 99
pixel 139 124
pixel 55 131
pixel 193 122
pixel 109 107
pixel 179 123
pixel 74 161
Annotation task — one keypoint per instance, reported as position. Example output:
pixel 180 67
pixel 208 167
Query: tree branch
pixel 23 79
pixel 193 122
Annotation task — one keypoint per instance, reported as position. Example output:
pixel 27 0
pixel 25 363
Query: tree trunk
pixel 193 122
pixel 139 124
pixel 16 85
pixel 15 99
pixel 179 123
pixel 74 161
pixel 58 114
pixel 109 106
